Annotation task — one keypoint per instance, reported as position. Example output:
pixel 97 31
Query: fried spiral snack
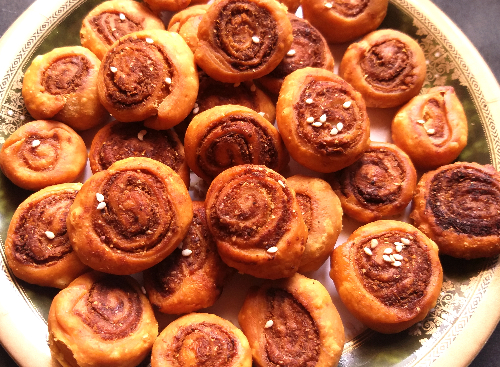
pixel 149 75
pixel 322 120
pixel 388 275
pixel 292 322
pixel 229 135
pixel 242 40
pixel 457 206
pixel 193 276
pixel 387 67
pixel 431 128
pixel 380 184
pixel 113 19
pixel 256 221
pixel 322 214
pixel 101 320
pixel 343 21
pixel 37 246
pixel 201 339
pixel 118 140
pixel 129 217
pixel 309 48
pixel 61 85
pixel 43 153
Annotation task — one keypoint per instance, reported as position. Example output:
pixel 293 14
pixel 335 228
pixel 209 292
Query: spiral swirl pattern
pixel 350 9
pixel 111 26
pixel 66 75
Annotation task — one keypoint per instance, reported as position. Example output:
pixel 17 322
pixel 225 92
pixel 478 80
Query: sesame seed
pixel 272 250
pixel 50 235
pixel 309 101
pixel 99 197
pixel 113 69
pixel 368 251
pixel 398 257
pixel 323 118
pixel 35 143
pixel 406 241
pixel 347 104
pixel 144 292
pixel 281 183
pixel 431 131
pixel 340 126
pixel 101 205
pixel 122 16
pixel 328 5
pixel 391 256
pixel 399 248
pixel 310 119
pixel 396 263
pixel 317 124
pixel 141 134
pixel 269 323
pixel 186 252
pixel 149 40
pixel 255 39
pixel 374 243
pixel 421 122
pixel 263 114
pixel 196 110
pixel 334 131
pixel 290 52
pixel 386 258
pixel 168 80
pixel 388 251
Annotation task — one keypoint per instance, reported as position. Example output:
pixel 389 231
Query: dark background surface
pixel 478 19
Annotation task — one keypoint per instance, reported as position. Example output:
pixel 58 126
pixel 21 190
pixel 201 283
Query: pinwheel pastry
pixel 380 184
pixel 431 128
pixel 256 221
pixel 129 217
pixel 113 19
pixel 457 206
pixel 37 246
pixel 101 320
pixel 43 153
pixel 229 135
pixel 388 275
pixel 193 276
pixel 149 75
pixel 309 48
pixel 322 214
pixel 387 67
pixel 292 322
pixel 201 339
pixel 167 5
pixel 61 85
pixel 186 23
pixel 322 120
pixel 242 40
pixel 119 140
pixel 343 21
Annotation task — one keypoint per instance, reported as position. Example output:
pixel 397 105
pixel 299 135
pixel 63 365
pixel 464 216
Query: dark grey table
pixel 478 19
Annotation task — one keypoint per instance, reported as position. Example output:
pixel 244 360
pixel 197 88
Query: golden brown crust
pixel 62 85
pixel 113 19
pixel 118 140
pixel 167 5
pixel 101 320
pixel 186 23
pixel 43 153
pixel 387 67
pixel 343 21
pixel 256 221
pixel 292 322
pixel 380 184
pixel 229 135
pixel 388 294
pixel 201 339
pixel 292 5
pixel 192 277
pixel 149 75
pixel 322 214
pixel 143 214
pixel 242 40
pixel 37 246
pixel 431 128
pixel 322 120
pixel 309 48
pixel 457 206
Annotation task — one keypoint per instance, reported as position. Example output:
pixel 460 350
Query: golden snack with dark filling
pixel 292 322
pixel 388 275
pixel 387 67
pixel 167 5
pixel 322 214
pixel 380 184
pixel 322 120
pixel 149 75
pixel 129 217
pixel 192 277
pixel 201 339
pixel 37 246
pixel 343 21
pixel 309 48
pixel 457 206
pixel 230 135
pixel 242 40
pixel 101 320
pixel 119 140
pixel 256 221
pixel 61 85
pixel 43 153
pixel 431 128
pixel 113 19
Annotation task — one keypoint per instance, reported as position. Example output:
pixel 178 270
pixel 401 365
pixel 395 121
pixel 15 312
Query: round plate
pixel 467 308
